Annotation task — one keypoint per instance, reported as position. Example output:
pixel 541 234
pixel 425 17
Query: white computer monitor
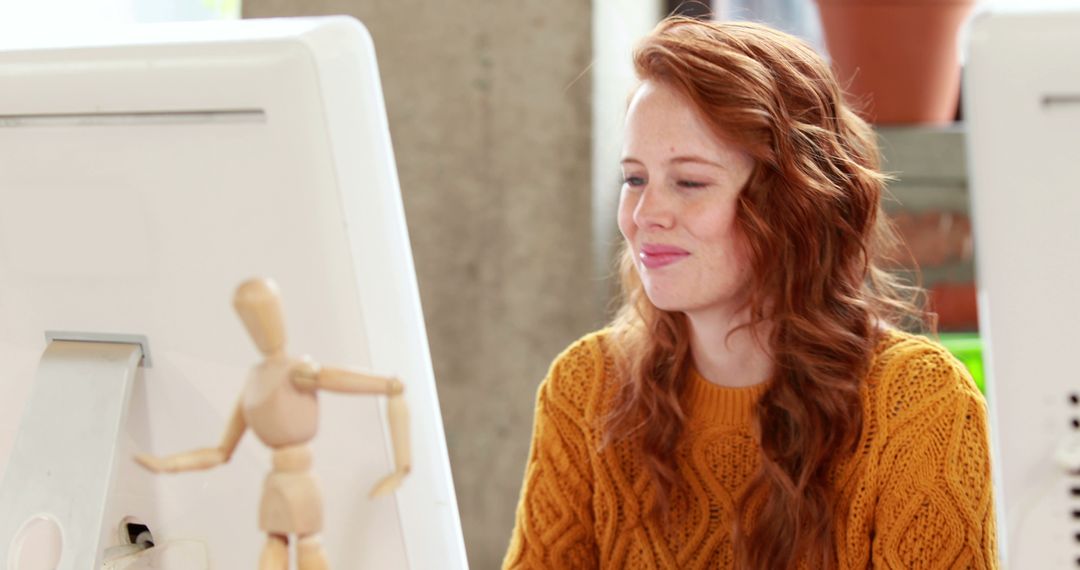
pixel 146 172
pixel 1022 109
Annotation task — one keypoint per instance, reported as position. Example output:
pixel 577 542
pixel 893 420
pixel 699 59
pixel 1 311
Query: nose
pixel 655 209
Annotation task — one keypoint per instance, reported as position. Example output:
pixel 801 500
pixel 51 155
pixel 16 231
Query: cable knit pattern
pixel 916 493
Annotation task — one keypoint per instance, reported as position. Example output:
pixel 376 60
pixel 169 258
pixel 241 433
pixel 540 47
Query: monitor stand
pixel 63 465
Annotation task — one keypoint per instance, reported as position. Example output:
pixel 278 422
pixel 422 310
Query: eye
pixel 691 184
pixel 633 181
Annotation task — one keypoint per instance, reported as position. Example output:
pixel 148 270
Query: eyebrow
pixel 679 160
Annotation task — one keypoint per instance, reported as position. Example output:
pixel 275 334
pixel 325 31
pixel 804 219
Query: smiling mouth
pixel 658 260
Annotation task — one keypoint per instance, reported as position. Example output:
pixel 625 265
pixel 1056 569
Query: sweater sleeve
pixel 935 503
pixel 554 521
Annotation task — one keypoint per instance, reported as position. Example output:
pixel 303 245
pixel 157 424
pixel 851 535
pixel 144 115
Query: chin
pixel 668 302
pixel 675 303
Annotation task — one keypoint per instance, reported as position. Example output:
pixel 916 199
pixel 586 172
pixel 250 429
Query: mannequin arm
pixel 310 376
pixel 398 416
pixel 200 458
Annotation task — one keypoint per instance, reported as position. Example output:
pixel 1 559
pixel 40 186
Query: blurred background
pixel 506 120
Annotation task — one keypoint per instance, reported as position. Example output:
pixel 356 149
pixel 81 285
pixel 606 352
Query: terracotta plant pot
pixel 897 58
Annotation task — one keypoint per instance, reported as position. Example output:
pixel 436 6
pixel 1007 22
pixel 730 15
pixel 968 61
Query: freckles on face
pixel 678 205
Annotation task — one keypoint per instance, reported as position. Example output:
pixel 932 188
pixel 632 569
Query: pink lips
pixel 655 256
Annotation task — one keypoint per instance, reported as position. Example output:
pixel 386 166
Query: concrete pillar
pixel 490 114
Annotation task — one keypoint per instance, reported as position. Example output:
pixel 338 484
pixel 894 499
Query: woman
pixel 753 405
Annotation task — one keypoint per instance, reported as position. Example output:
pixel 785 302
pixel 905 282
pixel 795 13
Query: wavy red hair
pixel 811 217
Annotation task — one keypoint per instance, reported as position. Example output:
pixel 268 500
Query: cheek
pixel 738 255
pixel 626 215
pixel 721 230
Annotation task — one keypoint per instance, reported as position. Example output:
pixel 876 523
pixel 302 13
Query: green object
pixel 223 9
pixel 967 348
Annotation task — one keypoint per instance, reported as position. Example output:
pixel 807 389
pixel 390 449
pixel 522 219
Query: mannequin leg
pixel 310 554
pixel 275 555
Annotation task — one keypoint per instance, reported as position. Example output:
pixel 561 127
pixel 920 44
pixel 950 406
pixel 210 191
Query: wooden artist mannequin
pixel 279 404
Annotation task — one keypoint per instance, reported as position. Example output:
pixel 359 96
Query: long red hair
pixel 811 217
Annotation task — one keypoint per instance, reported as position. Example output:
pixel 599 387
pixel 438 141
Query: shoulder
pixel 580 372
pixel 933 467
pixel 912 375
pixel 584 356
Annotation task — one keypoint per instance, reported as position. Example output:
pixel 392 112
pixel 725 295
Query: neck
pixel 727 358
pixel 275 354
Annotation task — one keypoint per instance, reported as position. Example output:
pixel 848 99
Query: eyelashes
pixel 637 181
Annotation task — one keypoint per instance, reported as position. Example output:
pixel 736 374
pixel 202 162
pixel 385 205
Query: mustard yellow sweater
pixel 917 495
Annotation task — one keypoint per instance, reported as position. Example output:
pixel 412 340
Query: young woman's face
pixel 678 202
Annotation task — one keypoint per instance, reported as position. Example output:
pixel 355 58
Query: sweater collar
pixel 711 403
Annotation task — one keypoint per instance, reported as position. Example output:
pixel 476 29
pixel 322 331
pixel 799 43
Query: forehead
pixel 660 120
